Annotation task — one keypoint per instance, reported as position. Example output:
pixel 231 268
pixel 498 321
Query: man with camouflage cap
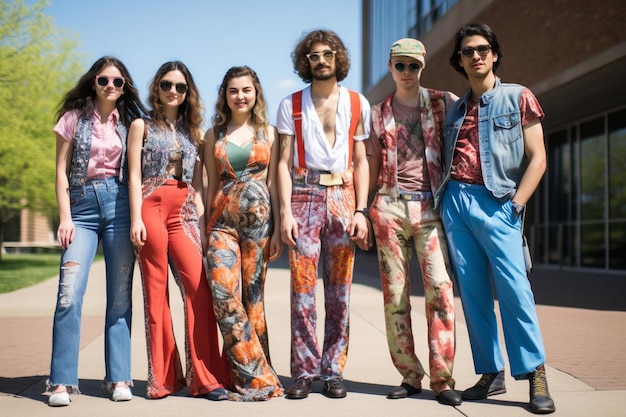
pixel 404 151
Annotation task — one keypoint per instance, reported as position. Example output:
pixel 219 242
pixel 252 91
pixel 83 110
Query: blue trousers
pixel 485 241
pixel 100 212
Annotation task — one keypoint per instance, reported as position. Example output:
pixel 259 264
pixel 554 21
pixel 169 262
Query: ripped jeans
pixel 100 212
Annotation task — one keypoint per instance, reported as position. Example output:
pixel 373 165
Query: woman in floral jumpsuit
pixel 242 229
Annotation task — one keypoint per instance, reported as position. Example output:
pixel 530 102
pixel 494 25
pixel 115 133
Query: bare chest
pixel 327 114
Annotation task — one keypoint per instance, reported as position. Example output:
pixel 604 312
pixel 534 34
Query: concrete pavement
pixel 25 339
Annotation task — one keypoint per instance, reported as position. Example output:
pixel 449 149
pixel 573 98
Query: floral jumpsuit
pixel 239 230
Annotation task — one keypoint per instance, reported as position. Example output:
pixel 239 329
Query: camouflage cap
pixel 409 47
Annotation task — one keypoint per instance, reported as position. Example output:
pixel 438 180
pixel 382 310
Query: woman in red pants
pixel 165 173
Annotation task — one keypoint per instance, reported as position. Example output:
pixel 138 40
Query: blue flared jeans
pixel 100 212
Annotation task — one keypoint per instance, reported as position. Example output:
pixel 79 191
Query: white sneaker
pixel 122 393
pixel 60 399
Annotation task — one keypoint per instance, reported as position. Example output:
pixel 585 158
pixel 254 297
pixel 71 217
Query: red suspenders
pixel 296 106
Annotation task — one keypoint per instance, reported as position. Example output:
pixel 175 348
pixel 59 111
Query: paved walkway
pixel 578 341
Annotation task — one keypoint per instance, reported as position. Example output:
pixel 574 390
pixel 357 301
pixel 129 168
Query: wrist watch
pixel 364 211
pixel 517 208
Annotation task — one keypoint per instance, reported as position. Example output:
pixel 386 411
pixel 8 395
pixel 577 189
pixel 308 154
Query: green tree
pixel 38 64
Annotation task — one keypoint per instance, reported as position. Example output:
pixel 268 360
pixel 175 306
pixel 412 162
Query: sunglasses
pixel 104 80
pixel 315 56
pixel 166 87
pixel 482 50
pixel 401 66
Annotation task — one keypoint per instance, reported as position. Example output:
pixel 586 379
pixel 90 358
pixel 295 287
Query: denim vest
pixel 500 136
pixel 82 149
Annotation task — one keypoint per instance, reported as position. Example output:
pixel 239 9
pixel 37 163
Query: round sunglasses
pixel 104 80
pixel 401 66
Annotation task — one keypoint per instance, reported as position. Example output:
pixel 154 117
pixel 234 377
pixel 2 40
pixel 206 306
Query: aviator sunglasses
pixel 104 80
pixel 166 87
pixel 482 50
pixel 401 66
pixel 315 56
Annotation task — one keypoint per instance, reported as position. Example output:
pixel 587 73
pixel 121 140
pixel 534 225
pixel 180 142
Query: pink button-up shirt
pixel 106 144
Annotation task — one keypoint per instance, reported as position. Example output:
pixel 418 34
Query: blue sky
pixel 209 36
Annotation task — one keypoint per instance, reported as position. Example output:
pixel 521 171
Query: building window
pixel 592 193
pixel 582 199
pixel 430 11
pixel 392 20
pixel 617 189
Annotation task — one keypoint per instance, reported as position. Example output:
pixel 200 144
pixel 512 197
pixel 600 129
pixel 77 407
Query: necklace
pixel 175 146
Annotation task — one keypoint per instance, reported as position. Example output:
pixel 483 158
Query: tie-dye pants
pixel 401 226
pixel 323 214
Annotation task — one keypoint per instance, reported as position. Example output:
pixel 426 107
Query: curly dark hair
pixel 190 110
pixel 301 64
pixel 475 29
pixel 82 98
pixel 223 114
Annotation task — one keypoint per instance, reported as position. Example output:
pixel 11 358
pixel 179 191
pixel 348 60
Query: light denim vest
pixel 82 149
pixel 500 136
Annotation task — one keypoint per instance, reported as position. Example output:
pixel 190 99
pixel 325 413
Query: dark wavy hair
pixel 301 64
pixel 82 98
pixel 223 114
pixel 475 29
pixel 190 111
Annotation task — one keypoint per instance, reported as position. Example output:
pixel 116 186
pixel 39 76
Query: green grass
pixel 23 270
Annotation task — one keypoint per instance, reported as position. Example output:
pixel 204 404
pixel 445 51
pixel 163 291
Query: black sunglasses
pixel 482 50
pixel 104 80
pixel 401 66
pixel 166 87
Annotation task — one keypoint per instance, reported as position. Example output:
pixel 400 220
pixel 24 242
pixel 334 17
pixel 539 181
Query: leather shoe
pixel 333 388
pixel 300 389
pixel 487 385
pixel 403 391
pixel 449 397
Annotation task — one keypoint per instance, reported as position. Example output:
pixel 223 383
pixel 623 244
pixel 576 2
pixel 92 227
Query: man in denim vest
pixel 404 152
pixel 494 158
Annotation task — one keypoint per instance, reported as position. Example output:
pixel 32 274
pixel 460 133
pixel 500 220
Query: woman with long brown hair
pixel 166 203
pixel 92 195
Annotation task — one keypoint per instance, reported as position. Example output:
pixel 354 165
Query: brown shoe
pixel 300 389
pixel 540 401
pixel 333 388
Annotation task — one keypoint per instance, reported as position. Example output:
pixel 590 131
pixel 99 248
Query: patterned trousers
pixel 323 215
pixel 399 227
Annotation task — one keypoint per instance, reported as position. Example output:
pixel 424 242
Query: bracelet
pixel 364 212
pixel 517 208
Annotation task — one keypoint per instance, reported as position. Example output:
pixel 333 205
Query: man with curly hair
pixel 323 179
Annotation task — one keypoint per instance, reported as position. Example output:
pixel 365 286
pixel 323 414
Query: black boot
pixel 540 401
pixel 487 385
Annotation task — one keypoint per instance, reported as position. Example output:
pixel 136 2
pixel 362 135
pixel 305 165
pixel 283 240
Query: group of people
pixel 423 170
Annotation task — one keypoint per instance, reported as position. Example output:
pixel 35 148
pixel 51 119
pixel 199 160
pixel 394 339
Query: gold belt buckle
pixel 330 179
